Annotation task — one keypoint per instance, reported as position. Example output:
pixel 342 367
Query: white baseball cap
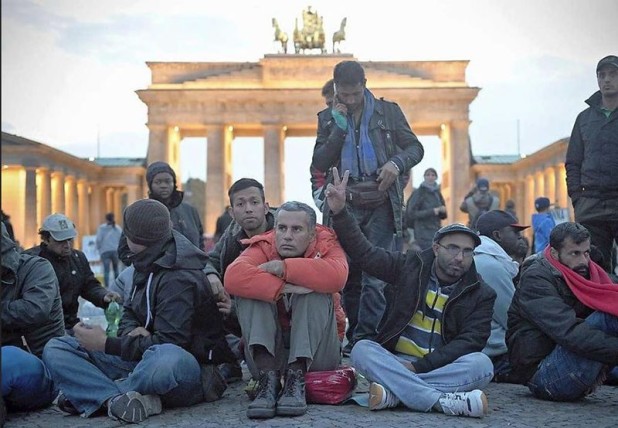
pixel 59 227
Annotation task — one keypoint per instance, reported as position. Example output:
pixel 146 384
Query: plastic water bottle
pixel 112 315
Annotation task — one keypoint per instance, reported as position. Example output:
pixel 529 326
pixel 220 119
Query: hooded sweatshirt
pixel 497 269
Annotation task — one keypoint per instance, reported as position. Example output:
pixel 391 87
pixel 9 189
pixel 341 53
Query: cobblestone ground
pixel 510 406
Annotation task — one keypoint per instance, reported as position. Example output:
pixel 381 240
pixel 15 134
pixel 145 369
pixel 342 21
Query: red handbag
pixel 330 387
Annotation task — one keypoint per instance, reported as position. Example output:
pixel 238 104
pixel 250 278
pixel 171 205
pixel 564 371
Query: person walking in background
pixel 542 224
pixel 426 209
pixel 478 201
pixel 223 221
pixel 372 139
pixel 592 162
pixel 108 237
pixel 509 207
pixel 6 220
pixel 75 277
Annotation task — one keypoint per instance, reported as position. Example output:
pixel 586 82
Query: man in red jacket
pixel 284 284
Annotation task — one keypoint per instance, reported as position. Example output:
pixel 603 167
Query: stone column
pixel 274 173
pixel 117 203
pixel 520 201
pixel 30 209
pixel 97 211
pixel 109 200
pixel 58 196
pixel 132 193
pixel 539 186
pixel 562 197
pixel 218 173
pixel 44 194
pixel 530 195
pixel 70 203
pixel 550 184
pixel 158 143
pixel 83 220
pixel 456 138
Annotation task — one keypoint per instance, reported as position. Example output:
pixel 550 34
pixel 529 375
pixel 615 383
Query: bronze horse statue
pixel 339 35
pixel 280 36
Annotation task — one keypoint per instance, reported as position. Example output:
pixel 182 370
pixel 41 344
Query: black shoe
pixel 292 401
pixel 65 405
pixel 347 349
pixel 232 372
pixel 265 402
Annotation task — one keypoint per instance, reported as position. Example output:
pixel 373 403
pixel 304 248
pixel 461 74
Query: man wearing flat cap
pixel 427 355
pixel 170 326
pixel 592 162
pixel 75 277
pixel 501 241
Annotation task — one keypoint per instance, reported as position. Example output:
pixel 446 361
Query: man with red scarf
pixel 563 320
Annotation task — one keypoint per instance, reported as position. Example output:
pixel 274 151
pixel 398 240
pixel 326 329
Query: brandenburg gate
pixel 279 97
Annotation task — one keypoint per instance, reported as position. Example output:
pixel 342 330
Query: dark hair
pixel 349 73
pixel 109 217
pixel 431 170
pixel 295 206
pixel 328 88
pixel 242 184
pixel 45 235
pixel 562 231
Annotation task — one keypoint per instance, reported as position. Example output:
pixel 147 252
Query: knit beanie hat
pixel 157 168
pixel 147 222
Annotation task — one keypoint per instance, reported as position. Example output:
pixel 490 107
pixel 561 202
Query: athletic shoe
pixel 381 398
pixel 473 403
pixel 133 407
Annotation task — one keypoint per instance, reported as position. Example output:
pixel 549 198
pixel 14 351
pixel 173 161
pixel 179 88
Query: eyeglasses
pixel 454 250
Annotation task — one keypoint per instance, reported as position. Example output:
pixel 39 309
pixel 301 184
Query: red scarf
pixel 597 293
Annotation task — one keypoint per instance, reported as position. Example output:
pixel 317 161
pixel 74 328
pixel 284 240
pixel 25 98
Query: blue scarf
pixel 362 162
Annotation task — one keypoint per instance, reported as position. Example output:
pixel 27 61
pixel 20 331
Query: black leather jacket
pixel 392 139
pixel 466 319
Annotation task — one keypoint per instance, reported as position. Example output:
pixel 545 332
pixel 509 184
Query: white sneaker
pixel 381 398
pixel 473 403
pixel 133 407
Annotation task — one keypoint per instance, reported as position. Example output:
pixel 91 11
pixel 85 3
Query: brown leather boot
pixel 265 402
pixel 292 401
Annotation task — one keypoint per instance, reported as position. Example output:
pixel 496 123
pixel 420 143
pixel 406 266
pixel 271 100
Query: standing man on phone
pixel 372 139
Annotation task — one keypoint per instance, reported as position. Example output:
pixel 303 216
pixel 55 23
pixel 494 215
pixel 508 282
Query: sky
pixel 70 68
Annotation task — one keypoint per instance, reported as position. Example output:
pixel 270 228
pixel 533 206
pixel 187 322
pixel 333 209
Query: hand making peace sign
pixel 335 191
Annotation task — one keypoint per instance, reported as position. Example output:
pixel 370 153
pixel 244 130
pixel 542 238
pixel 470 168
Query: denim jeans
pixel 89 378
pixel 26 382
pixel 363 295
pixel 420 391
pixel 565 376
pixel 109 258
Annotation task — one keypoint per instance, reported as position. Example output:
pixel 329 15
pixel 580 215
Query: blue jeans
pixel 363 295
pixel 565 376
pixel 420 391
pixel 89 378
pixel 26 382
pixel 109 258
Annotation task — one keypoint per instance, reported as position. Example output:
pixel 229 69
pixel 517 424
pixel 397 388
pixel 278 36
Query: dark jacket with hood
pixel 171 300
pixel 31 305
pixel 420 215
pixel 466 319
pixel 75 279
pixel 392 140
pixel 545 313
pixel 185 218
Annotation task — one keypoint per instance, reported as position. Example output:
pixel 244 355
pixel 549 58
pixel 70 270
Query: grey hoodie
pixel 497 269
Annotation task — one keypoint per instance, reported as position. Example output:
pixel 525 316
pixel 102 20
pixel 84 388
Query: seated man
pixel 31 315
pixel 563 322
pixel 501 242
pixel 169 327
pixel 284 284
pixel 75 278
pixel 427 354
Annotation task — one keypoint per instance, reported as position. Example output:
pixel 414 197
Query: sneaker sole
pixel 261 413
pixel 485 405
pixel 291 410
pixel 375 396
pixel 134 408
